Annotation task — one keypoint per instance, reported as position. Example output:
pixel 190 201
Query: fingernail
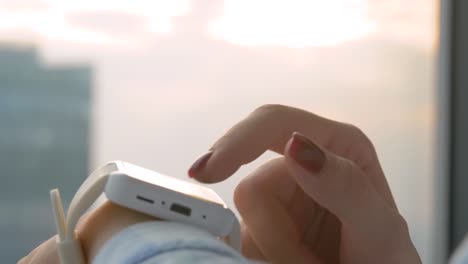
pixel 307 154
pixel 199 164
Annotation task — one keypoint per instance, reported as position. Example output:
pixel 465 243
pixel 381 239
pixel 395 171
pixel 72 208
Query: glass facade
pixel 44 138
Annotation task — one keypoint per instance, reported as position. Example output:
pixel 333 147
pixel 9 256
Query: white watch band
pixel 68 243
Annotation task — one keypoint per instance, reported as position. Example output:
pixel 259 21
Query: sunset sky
pixel 296 23
pixel 172 76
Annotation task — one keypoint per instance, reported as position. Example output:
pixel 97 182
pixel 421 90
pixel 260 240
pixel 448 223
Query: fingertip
pixel 199 165
pixel 290 163
pixel 307 154
pixel 304 160
pixel 212 167
pixel 287 147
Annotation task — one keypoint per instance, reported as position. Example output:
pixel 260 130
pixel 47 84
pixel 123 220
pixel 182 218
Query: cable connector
pixel 68 248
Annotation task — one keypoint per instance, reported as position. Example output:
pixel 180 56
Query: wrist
pixel 95 229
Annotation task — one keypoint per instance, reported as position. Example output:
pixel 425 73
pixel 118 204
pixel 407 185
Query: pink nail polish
pixel 199 164
pixel 306 153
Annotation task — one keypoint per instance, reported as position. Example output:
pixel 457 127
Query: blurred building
pixel 44 142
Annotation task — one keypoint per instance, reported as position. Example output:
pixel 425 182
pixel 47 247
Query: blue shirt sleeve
pixel 166 242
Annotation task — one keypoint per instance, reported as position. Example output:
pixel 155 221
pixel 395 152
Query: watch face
pixel 191 189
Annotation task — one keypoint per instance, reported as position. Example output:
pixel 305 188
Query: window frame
pixel 458 124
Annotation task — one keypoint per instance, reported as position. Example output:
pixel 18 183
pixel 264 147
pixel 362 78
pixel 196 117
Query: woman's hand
pixel 325 201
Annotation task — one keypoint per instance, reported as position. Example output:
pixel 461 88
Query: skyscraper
pixel 44 142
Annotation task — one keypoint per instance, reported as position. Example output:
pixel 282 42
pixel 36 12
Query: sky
pixel 172 76
pixel 299 23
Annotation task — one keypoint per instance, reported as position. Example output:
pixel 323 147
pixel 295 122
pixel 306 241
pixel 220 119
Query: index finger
pixel 269 128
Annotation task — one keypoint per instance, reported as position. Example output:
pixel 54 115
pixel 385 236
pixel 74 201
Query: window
pixel 155 83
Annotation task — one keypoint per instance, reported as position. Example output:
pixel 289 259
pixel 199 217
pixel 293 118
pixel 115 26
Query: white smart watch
pixel 147 192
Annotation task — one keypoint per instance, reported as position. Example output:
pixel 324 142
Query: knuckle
pixel 252 190
pixel 398 232
pixel 360 136
pixel 359 188
pixel 361 149
pixel 348 184
pixel 271 109
pixel 401 225
pixel 242 194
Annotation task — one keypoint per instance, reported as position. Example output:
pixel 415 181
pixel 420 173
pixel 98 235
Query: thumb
pixel 336 183
pixel 374 230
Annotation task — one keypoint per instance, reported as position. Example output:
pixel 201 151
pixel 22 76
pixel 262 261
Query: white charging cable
pixel 68 243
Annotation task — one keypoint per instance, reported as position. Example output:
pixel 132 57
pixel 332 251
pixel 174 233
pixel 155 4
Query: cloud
pixel 292 24
pixel 410 21
pixel 109 22
pixel 22 5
